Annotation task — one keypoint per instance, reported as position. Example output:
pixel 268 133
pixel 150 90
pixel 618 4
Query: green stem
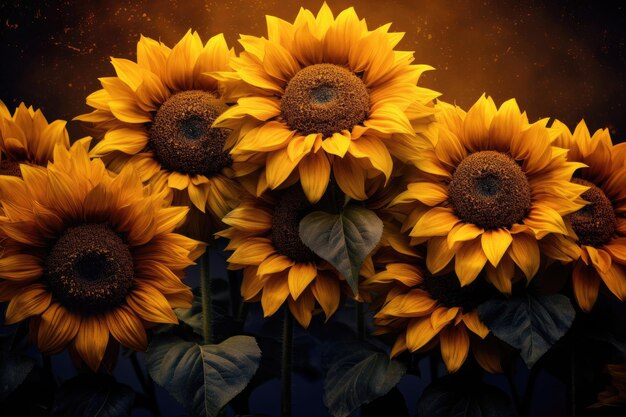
pixel 205 290
pixel 285 388
pixel 360 322
pixel 528 392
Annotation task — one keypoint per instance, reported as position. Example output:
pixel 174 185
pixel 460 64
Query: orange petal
pixel 350 177
pixel 127 328
pixel 435 222
pixel 147 302
pixel 586 283
pixel 327 293
pixel 31 301
pixel 438 254
pixel 57 328
pixel 302 309
pixel 20 267
pixel 418 333
pixel 454 346
pixel 473 323
pixel 91 341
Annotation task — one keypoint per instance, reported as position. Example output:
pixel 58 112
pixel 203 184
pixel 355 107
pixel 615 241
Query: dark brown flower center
pixel 10 168
pixel 490 190
pixel 595 223
pixel 447 290
pixel 90 269
pixel 289 210
pixel 324 98
pixel 182 137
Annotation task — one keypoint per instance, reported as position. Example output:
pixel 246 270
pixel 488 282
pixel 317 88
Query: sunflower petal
pixel 454 347
pixel 91 341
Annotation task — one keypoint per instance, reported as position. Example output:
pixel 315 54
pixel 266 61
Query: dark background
pixel 563 59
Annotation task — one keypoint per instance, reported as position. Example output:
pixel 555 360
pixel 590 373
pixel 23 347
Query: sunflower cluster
pixel 320 112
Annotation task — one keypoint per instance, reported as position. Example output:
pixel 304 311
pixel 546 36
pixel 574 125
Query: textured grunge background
pixel 564 59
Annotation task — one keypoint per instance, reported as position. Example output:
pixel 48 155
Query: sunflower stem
pixel 285 388
pixel 528 392
pixel 207 302
pixel 360 322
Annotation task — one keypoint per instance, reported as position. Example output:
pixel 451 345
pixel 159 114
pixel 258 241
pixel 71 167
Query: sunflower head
pixel 278 267
pixel 324 95
pixel 90 257
pixel 488 192
pixel 599 228
pixel 157 113
pixel 426 310
pixel 26 137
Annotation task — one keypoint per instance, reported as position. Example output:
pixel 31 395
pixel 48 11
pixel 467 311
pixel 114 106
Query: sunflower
pixel 88 257
pixel 26 137
pixel 157 113
pixel 614 395
pixel 491 188
pixel 600 226
pixel 427 309
pixel 322 95
pixel 278 267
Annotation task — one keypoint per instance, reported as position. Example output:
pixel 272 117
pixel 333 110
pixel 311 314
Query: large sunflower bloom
pixel 427 310
pixel 600 226
pixel 26 137
pixel 325 94
pixel 89 258
pixel 157 113
pixel 278 266
pixel 488 192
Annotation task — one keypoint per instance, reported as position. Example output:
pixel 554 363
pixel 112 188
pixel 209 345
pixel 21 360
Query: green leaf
pixel 454 396
pixel 93 395
pixel 203 378
pixel 344 240
pixel 532 323
pixel 357 375
pixel 14 368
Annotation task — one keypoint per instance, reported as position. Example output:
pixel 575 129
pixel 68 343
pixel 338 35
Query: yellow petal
pixel 501 276
pixel 149 304
pixel 275 263
pixel 127 140
pixel 435 222
pixel 375 151
pixel 470 260
pixel 350 177
pixel 495 244
pixel 473 323
pixel 314 175
pixel 525 253
pixel 300 276
pixel 20 267
pixel 275 292
pixel 337 144
pixel 442 316
pixel 302 308
pixel 428 193
pixel 615 280
pixel 252 252
pixel 279 167
pixel 438 254
pixel 463 232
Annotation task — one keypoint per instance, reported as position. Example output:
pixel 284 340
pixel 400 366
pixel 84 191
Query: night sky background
pixel 560 59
